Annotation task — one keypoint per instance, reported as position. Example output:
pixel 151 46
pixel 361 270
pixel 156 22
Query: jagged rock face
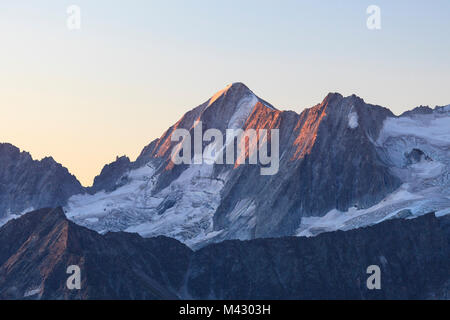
pixel 112 176
pixel 416 156
pixel 412 255
pixel 340 157
pixel 38 247
pixel 418 110
pixel 327 162
pixel 26 184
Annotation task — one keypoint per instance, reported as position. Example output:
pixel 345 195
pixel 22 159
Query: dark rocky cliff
pixel 37 248
pixel 413 255
pixel 26 183
pixel 112 176
pixel 327 161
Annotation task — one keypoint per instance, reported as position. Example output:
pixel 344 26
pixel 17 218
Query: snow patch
pixel 32 292
pixel 404 198
pixel 243 110
pixel 353 120
pixel 10 216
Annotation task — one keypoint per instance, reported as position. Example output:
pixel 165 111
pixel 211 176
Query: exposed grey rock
pixel 415 156
pixel 112 176
pixel 30 184
pixel 325 164
pixel 417 110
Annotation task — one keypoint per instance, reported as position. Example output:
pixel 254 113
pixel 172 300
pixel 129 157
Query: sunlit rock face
pixel 325 164
pixel 27 184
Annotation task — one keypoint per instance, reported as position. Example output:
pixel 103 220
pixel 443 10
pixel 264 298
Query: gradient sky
pixel 136 67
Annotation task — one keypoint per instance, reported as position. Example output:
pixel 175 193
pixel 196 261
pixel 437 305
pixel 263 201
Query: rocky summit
pixel 27 184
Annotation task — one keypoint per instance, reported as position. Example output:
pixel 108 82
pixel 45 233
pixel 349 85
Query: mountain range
pixel 344 164
pixel 37 248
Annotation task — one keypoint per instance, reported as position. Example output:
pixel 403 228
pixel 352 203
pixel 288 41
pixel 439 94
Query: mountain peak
pixel 42 183
pixel 239 85
pixel 236 87
pixel 331 96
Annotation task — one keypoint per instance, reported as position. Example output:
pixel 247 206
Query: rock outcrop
pixel 27 184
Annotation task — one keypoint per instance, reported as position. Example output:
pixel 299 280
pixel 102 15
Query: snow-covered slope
pixel 183 210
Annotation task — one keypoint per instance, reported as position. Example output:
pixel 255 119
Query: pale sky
pixel 135 67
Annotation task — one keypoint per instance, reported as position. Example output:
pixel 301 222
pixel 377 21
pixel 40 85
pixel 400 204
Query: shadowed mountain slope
pixel 27 184
pixel 37 248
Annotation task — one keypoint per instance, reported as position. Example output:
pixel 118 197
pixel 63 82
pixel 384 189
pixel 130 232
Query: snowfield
pixel 191 200
pixel 433 128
